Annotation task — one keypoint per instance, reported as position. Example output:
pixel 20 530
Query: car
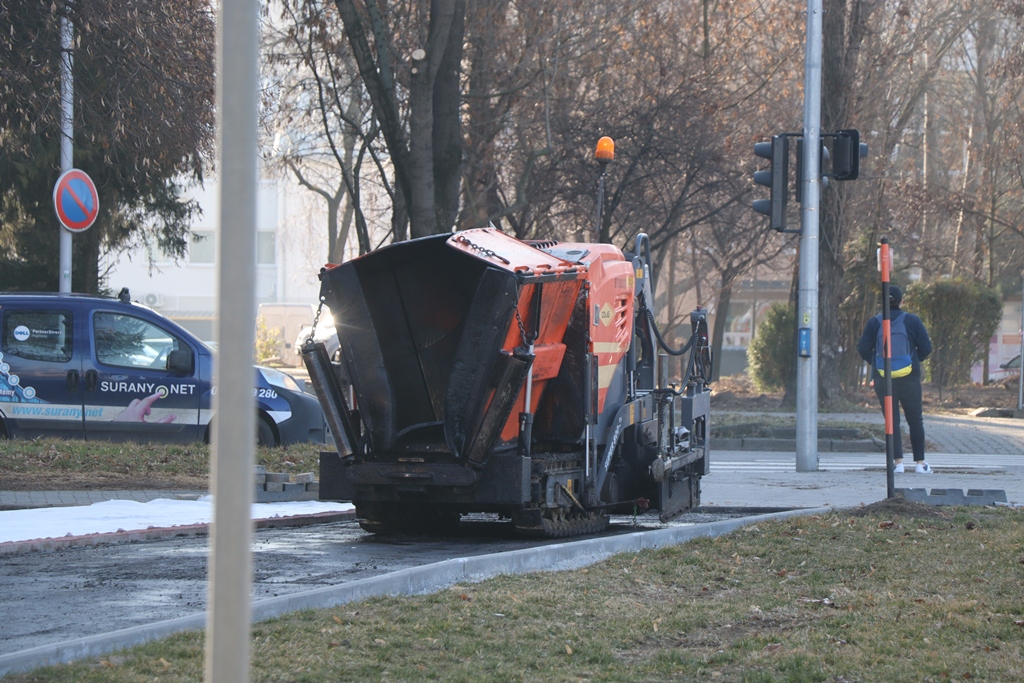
pixel 97 368
pixel 325 332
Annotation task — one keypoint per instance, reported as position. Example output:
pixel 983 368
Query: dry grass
pixel 56 464
pixel 895 592
pixel 733 425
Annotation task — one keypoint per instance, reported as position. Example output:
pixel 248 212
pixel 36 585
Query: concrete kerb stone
pixel 953 496
pixel 750 443
pixel 412 581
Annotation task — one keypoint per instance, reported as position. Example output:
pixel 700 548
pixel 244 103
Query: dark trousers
pixel 906 392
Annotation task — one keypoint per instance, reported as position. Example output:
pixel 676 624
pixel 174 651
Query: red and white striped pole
pixel 885 265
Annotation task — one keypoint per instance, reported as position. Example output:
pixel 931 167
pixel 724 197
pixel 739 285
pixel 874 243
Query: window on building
pixel 737 324
pixel 265 247
pixel 202 247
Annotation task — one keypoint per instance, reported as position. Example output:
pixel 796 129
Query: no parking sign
pixel 75 200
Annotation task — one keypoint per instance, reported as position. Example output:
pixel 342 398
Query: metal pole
pixel 885 261
pixel 807 367
pixel 1020 378
pixel 67 115
pixel 234 426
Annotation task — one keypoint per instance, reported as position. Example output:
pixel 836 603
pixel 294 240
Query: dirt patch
pixel 963 400
pixel 97 481
pixel 892 507
pixel 737 393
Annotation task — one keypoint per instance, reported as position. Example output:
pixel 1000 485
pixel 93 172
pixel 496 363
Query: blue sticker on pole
pixel 804 342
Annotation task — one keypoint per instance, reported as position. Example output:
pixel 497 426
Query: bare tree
pixel 409 57
pixel 317 122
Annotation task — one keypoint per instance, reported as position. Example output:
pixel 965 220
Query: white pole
pixel 807 310
pixel 234 426
pixel 1020 378
pixel 67 115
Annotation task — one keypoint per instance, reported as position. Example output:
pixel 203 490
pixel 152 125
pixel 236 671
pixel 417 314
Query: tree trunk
pixel 422 220
pixel 332 230
pixel 789 382
pixel 424 80
pixel 338 254
pixel 721 313
pixel 85 265
pixel 844 26
pixel 399 219
pixel 447 133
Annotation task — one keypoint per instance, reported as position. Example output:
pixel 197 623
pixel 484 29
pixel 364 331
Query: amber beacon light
pixel 604 154
pixel 605 151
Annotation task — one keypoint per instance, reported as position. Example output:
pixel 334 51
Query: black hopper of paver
pixel 953 496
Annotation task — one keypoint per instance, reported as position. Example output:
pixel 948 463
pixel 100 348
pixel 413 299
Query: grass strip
pixel 37 459
pixel 892 592
pixel 767 426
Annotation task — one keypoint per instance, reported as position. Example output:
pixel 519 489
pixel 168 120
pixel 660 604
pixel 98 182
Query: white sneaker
pixel 924 468
pixel 898 469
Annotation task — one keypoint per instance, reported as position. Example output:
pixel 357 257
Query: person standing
pixel 910 345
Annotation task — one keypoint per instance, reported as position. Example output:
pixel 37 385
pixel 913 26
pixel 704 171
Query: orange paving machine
pixel 481 373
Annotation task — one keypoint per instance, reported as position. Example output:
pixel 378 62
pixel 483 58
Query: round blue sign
pixel 75 200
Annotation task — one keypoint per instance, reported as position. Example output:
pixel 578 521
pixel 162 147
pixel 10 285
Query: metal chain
pixel 316 322
pixel 490 253
pixel 519 321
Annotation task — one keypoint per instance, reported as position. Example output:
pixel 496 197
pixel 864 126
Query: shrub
pixel 268 342
pixel 771 356
pixel 961 318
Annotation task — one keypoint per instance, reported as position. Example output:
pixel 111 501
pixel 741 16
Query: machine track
pixel 564 522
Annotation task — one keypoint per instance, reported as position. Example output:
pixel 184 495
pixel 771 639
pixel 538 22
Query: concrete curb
pixel 160 533
pixel 413 581
pixel 954 496
pixel 750 443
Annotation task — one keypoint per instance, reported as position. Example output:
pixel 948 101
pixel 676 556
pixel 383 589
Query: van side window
pixel 129 342
pixel 34 334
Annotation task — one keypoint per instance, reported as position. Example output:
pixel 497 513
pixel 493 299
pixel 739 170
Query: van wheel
pixel 264 433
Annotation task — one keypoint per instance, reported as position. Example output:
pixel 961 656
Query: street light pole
pixel 67 114
pixel 1020 365
pixel 807 310
pixel 234 427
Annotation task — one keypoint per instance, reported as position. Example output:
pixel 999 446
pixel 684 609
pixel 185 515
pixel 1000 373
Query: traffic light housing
pixel 777 179
pixel 848 152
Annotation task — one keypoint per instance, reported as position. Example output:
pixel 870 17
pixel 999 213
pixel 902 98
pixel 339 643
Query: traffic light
pixel 777 179
pixel 848 152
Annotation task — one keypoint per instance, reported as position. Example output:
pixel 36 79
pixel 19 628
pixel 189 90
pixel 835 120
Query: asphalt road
pixel 51 597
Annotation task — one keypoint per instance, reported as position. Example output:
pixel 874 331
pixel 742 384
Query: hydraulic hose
pixel 661 340
pixel 693 368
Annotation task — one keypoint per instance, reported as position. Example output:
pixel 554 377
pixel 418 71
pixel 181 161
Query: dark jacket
pixel 917 335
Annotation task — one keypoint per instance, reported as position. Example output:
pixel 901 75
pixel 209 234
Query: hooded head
pixel 895 296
